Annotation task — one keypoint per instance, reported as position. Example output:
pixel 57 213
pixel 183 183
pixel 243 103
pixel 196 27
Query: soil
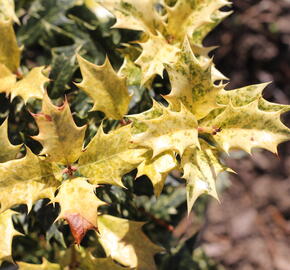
pixel 250 228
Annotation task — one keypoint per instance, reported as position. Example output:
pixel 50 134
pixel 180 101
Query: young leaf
pixel 200 169
pixel 46 265
pixel 7 79
pixel 31 86
pixel 7 233
pixel 57 132
pixel 171 131
pixel 9 51
pixel 107 89
pixel 79 206
pixel 26 180
pixel 125 242
pixel 247 126
pixel 109 156
pixel 156 53
pixel 8 150
pixel 157 169
pixel 192 84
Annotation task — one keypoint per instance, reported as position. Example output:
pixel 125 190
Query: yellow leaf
pixel 200 169
pixel 26 180
pixel 7 233
pixel 7 10
pixel 31 86
pixel 246 127
pixel 109 156
pixel 7 79
pixel 46 265
pixel 8 150
pixel 107 89
pixel 156 53
pixel 9 51
pixel 192 84
pixel 157 169
pixel 171 131
pixel 125 242
pixel 61 139
pixel 79 206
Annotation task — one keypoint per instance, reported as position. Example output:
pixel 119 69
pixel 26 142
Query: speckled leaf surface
pixel 155 54
pixel 9 51
pixel 8 150
pixel 79 206
pixel 157 169
pixel 46 265
pixel 107 89
pixel 125 242
pixel 31 86
pixel 109 156
pixel 171 131
pixel 192 84
pixel 57 132
pixel 248 126
pixel 7 79
pixel 200 170
pixel 7 233
pixel 26 180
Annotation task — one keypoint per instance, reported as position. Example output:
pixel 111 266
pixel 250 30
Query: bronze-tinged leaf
pixel 61 139
pixel 9 51
pixel 79 206
pixel 107 89
pixel 26 180
pixel 109 156
pixel 8 150
pixel 32 85
pixel 7 79
pixel 125 242
pixel 7 233
pixel 46 265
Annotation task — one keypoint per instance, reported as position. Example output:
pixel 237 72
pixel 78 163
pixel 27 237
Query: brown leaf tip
pixel 79 226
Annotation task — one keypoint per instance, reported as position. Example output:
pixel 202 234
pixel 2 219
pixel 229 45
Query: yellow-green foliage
pixel 199 107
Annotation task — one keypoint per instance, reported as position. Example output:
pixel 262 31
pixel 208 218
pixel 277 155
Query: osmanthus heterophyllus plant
pixel 200 121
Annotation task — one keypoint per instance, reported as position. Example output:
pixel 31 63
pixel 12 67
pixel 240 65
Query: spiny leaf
pixel 7 233
pixel 7 10
pixel 9 51
pixel 200 169
pixel 192 84
pixel 7 79
pixel 84 260
pixel 171 131
pixel 156 53
pixel 57 131
pixel 125 242
pixel 135 14
pixel 107 89
pixel 193 18
pixel 32 85
pixel 8 150
pixel 46 265
pixel 109 156
pixel 131 71
pixel 79 206
pixel 157 169
pixel 248 94
pixel 247 126
pixel 26 180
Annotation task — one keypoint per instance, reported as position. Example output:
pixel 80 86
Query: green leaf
pixel 107 89
pixel 125 242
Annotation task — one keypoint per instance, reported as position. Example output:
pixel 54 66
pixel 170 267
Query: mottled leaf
pixel 46 265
